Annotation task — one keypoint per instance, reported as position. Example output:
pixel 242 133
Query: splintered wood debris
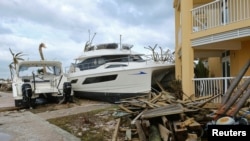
pixel 162 117
pixel 157 116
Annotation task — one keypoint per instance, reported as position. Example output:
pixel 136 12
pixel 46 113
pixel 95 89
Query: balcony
pixel 205 87
pixel 219 13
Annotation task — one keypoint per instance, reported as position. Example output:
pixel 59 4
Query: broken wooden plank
pixel 196 128
pixel 180 133
pixel 211 105
pixel 138 104
pixel 187 122
pixel 155 98
pixel 197 99
pixel 163 111
pixel 141 134
pixel 208 100
pixel 114 138
pixel 235 108
pixel 125 109
pixel 164 132
pixel 138 116
pixel 235 82
pixel 151 105
pixel 164 120
pixel 159 103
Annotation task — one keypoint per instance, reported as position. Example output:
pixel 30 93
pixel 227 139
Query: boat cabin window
pixel 123 58
pixel 107 46
pixel 136 58
pixel 91 63
pixel 38 70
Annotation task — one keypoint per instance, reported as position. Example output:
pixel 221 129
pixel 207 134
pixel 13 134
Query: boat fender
pixel 67 90
pixel 26 92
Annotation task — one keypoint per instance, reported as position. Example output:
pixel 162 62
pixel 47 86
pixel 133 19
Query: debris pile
pixel 5 87
pixel 163 117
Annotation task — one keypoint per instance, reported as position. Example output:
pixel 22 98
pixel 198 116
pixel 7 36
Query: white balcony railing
pixel 214 86
pixel 219 13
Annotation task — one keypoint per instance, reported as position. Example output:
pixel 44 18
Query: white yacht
pixel 112 71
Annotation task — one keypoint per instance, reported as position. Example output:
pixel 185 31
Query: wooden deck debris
pixel 138 116
pixel 125 109
pixel 165 110
pixel 187 122
pixel 151 114
pixel 114 137
pixel 160 116
pixel 181 132
pixel 235 97
pixel 164 132
pixel 141 134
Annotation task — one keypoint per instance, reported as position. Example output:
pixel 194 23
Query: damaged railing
pixel 219 13
pixel 214 86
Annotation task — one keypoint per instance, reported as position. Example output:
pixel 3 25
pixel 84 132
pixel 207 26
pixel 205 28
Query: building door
pixel 226 69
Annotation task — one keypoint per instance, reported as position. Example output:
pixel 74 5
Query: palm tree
pixel 16 58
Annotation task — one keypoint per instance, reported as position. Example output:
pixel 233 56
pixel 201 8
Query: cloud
pixel 63 26
pixel 4 30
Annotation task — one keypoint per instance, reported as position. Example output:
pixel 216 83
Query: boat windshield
pixel 93 63
pixel 38 70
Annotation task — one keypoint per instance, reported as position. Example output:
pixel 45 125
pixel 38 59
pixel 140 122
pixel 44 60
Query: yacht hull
pixel 114 84
pixel 108 97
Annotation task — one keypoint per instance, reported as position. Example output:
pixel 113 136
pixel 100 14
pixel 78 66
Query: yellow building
pixel 217 32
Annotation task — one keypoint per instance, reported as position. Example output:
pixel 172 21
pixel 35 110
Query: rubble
pixel 163 117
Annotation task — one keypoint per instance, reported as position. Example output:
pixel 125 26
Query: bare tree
pixel 166 56
pixel 154 54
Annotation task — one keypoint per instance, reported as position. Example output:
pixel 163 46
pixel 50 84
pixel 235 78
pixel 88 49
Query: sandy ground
pixel 25 125
pixel 6 100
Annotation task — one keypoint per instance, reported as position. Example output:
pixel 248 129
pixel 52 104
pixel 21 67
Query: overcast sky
pixel 64 25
